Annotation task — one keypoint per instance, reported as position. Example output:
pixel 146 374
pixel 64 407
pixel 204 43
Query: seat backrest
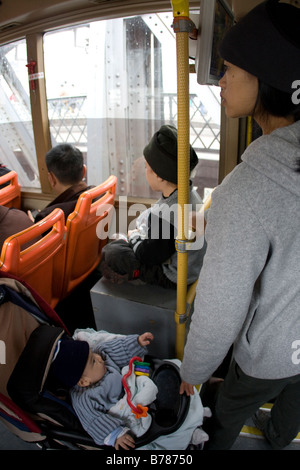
pixel 85 234
pixel 10 194
pixel 42 263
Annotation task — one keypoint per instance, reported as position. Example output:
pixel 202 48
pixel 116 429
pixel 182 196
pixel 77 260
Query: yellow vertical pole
pixel 181 13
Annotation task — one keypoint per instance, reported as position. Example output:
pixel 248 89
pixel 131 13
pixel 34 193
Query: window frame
pixel 33 33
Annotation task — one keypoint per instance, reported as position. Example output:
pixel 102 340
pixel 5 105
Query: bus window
pixel 111 84
pixel 16 133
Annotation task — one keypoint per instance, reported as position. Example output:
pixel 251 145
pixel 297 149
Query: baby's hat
pixel 161 153
pixel 69 360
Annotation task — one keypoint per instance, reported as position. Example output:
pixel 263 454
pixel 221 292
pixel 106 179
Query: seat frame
pixel 10 195
pixel 41 264
pixel 85 234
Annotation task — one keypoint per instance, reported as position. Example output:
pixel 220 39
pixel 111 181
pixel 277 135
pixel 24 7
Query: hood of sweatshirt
pixel 277 156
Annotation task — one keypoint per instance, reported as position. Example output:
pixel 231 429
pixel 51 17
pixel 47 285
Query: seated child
pixel 92 366
pixel 149 253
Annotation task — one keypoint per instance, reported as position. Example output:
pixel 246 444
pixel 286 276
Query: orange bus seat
pixel 85 232
pixel 10 195
pixel 41 264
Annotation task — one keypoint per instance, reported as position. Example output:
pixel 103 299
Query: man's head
pixel 65 165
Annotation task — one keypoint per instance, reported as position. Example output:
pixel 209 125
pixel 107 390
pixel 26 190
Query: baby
pixel 93 364
pixel 95 377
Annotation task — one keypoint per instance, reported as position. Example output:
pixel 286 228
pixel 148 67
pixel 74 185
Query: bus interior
pixel 102 75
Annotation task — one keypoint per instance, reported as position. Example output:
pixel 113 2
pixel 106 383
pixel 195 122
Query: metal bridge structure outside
pixel 113 133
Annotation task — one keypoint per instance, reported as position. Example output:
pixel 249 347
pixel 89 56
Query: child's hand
pixel 126 441
pixel 131 232
pixel 145 339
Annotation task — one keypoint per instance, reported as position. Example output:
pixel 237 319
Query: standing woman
pixel 249 287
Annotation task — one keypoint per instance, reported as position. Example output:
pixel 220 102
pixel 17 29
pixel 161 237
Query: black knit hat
pixel 266 43
pixel 69 361
pixel 161 154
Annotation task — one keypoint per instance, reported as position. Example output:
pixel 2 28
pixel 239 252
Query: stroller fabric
pixel 22 310
pixel 27 384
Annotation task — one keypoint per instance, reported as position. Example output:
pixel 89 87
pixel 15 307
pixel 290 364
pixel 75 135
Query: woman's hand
pixel 187 388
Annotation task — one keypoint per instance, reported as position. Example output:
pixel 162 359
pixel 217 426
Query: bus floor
pixel 254 441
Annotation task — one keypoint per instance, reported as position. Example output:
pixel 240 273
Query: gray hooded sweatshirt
pixel 249 287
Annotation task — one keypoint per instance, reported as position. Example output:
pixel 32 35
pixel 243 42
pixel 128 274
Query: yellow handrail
pixel 181 12
pixel 180 8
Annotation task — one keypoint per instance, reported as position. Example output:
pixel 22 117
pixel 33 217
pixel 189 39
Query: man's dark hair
pixel 66 162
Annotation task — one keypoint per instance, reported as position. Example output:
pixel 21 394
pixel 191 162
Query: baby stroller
pixel 38 413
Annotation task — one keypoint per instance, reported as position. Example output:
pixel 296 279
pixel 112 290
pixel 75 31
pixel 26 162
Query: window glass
pixel 111 84
pixel 16 133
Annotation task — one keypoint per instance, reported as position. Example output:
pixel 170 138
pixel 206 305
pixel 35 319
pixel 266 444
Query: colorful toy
pixel 140 368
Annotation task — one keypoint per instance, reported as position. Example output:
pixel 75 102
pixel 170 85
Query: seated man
pixel 66 172
pixel 12 221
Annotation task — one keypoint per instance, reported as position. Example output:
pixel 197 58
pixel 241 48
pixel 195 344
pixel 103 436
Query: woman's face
pixel 239 90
